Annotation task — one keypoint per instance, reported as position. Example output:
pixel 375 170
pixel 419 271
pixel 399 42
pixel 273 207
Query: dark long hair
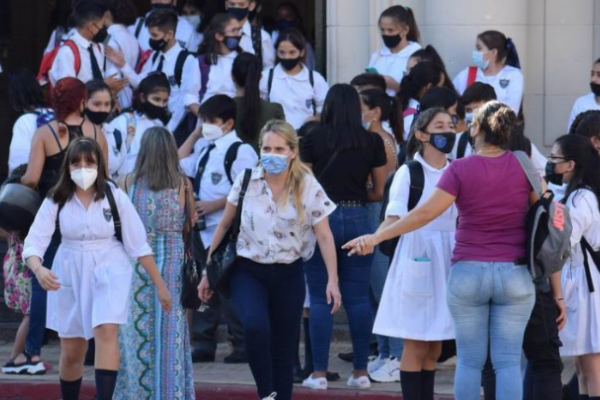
pixel 24 92
pixel 587 163
pixel 210 46
pixel 507 51
pixel 421 123
pixel 342 113
pixel 391 111
pixel 421 75
pixel 586 124
pixel 154 82
pixel 429 53
pixel 80 148
pixel 404 16
pixel 295 37
pixel 246 72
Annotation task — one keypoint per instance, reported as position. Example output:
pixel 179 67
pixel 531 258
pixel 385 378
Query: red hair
pixel 67 96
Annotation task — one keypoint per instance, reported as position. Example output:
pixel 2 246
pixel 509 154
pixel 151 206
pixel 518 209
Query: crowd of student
pixel 165 132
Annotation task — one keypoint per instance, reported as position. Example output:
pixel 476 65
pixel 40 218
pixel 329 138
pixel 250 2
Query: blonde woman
pixel 284 216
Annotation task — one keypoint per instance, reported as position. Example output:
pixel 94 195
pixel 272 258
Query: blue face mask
pixel 274 164
pixel 478 60
pixel 233 42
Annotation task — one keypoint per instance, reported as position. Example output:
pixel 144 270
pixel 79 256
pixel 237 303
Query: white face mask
pixel 194 20
pixel 212 132
pixel 84 177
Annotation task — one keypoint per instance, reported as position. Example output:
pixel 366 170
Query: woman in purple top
pixel 490 291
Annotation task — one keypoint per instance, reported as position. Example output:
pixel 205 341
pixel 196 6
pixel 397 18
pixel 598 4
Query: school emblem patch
pixel 107 214
pixel 504 83
pixel 216 177
pixel 309 103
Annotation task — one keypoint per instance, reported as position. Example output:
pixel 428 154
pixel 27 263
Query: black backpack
pixel 417 183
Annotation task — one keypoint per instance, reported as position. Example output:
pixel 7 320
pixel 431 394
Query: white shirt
pixel 64 63
pixel 582 104
pixel 583 208
pixel 271 233
pixel 310 60
pixel 408 120
pixel 126 123
pixel 122 40
pixel 268 51
pixel 219 77
pixel 52 41
pixel 295 93
pixel 508 84
pixel 116 155
pixel 214 184
pixel 20 144
pixel 181 96
pixel 393 64
pixel 186 35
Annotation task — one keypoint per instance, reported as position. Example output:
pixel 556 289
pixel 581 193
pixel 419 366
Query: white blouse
pixel 271 233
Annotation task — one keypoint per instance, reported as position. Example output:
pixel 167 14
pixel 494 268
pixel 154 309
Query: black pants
pixel 541 346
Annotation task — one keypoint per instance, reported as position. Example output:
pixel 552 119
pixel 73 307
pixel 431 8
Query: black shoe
pixel 348 357
pixel 199 356
pixel 332 376
pixel 299 375
pixel 237 357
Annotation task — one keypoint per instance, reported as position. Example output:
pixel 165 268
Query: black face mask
pixel 284 24
pixel 157 44
pixel 391 41
pixel 96 117
pixel 443 142
pixel 163 7
pixel 101 35
pixel 156 112
pixel 595 89
pixel 551 175
pixel 289 63
pixel 238 13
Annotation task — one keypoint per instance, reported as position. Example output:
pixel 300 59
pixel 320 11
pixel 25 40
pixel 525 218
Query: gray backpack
pixel 548 228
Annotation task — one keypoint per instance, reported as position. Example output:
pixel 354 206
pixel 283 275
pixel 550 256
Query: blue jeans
pixel 381 264
pixel 268 299
pixel 354 280
pixel 37 312
pixel 490 303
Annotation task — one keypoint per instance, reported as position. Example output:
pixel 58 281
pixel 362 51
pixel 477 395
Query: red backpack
pixel 49 58
pixel 472 76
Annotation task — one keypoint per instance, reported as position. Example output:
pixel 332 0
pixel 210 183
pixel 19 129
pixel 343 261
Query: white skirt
pixel 581 334
pixel 95 278
pixel 413 303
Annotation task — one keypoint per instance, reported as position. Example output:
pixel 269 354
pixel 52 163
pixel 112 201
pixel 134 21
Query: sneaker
pixel 272 396
pixel 362 382
pixel 315 383
pixel 376 364
pixel 28 367
pixel 389 372
pixel 348 357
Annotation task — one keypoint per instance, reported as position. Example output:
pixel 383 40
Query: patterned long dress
pixel 156 359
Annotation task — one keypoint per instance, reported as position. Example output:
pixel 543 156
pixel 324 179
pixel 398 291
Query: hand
pixel 333 295
pixel 197 133
pixel 115 56
pixel 561 321
pixel 115 84
pixel 47 280
pixel 205 207
pixel 164 296
pixel 362 245
pixel 204 291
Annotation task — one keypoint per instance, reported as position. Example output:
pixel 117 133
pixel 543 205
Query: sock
pixel 427 384
pixel 308 359
pixel 70 389
pixel 106 381
pixel 411 385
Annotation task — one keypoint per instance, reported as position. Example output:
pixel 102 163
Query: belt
pixel 350 203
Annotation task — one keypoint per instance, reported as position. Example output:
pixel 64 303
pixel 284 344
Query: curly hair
pixel 497 121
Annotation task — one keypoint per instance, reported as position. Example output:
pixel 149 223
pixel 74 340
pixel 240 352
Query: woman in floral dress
pixel 155 347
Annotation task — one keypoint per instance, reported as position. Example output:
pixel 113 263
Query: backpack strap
pixel 462 145
pixel 409 111
pixel 59 33
pixel 230 158
pixel 256 36
pixel 270 83
pixel 530 171
pixel 417 183
pixel 472 75
pixel 183 55
pixel 204 74
pixel 118 138
pixel 115 213
pixel 73 46
pixel 311 79
pixel 138 27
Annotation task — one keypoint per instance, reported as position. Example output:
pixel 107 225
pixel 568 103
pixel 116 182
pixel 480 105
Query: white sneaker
pixel 272 396
pixel 362 382
pixel 315 383
pixel 376 364
pixel 388 372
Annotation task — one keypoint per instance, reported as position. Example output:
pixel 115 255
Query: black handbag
pixel 222 260
pixel 190 273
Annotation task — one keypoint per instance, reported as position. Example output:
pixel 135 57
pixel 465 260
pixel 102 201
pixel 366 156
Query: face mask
pixel 232 42
pixel 595 89
pixel 156 112
pixel 391 41
pixel 443 142
pixel 551 175
pixel 212 132
pixel 158 6
pixel 284 24
pixel 194 20
pixel 289 63
pixel 101 35
pixel 468 118
pixel 96 117
pixel 157 44
pixel 478 60
pixel 366 124
pixel 238 13
pixel 274 164
pixel 84 177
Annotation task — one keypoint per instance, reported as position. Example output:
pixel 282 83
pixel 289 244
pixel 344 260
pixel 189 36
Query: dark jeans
pixel 541 346
pixel 354 280
pixel 269 299
pixel 37 313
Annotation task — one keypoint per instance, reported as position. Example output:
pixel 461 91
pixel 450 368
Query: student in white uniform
pixel 255 40
pixel 575 161
pixel 193 11
pixel 26 97
pixel 150 110
pixel 429 53
pixel 495 62
pixel 300 91
pixel 186 35
pixel 180 66
pixel 91 273
pixel 217 53
pixel 400 36
pixel 590 101
pixel 288 16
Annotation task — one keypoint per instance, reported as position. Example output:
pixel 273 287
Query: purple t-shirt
pixel 492 197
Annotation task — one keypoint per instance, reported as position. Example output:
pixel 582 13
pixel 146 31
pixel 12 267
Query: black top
pixel 346 178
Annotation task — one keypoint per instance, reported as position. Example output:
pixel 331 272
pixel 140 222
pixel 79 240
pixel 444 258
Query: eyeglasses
pixel 557 159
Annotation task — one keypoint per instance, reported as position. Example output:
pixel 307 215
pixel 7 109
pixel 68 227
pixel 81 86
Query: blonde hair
pixel 294 186
pixel 157 161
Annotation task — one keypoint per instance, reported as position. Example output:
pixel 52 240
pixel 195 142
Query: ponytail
pixel 421 75
pixel 67 96
pixel 507 51
pixel 246 72
pixel 413 34
pixel 396 120
pixel 512 57
pixel 391 110
pixel 404 16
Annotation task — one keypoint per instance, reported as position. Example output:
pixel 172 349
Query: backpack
pixel 548 229
pixel 462 145
pixel 472 76
pixel 131 128
pixel 178 73
pixel 204 74
pixel 417 184
pixel 48 59
pixel 230 157
pixel 43 117
pixel 311 79
pixel 586 250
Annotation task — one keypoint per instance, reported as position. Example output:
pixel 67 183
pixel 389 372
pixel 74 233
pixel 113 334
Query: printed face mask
pixel 84 177
pixel 478 60
pixel 443 142
pixel 274 164
pixel 212 132
pixel 551 175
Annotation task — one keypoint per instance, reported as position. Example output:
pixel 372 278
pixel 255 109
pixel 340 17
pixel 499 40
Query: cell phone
pixel 372 70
